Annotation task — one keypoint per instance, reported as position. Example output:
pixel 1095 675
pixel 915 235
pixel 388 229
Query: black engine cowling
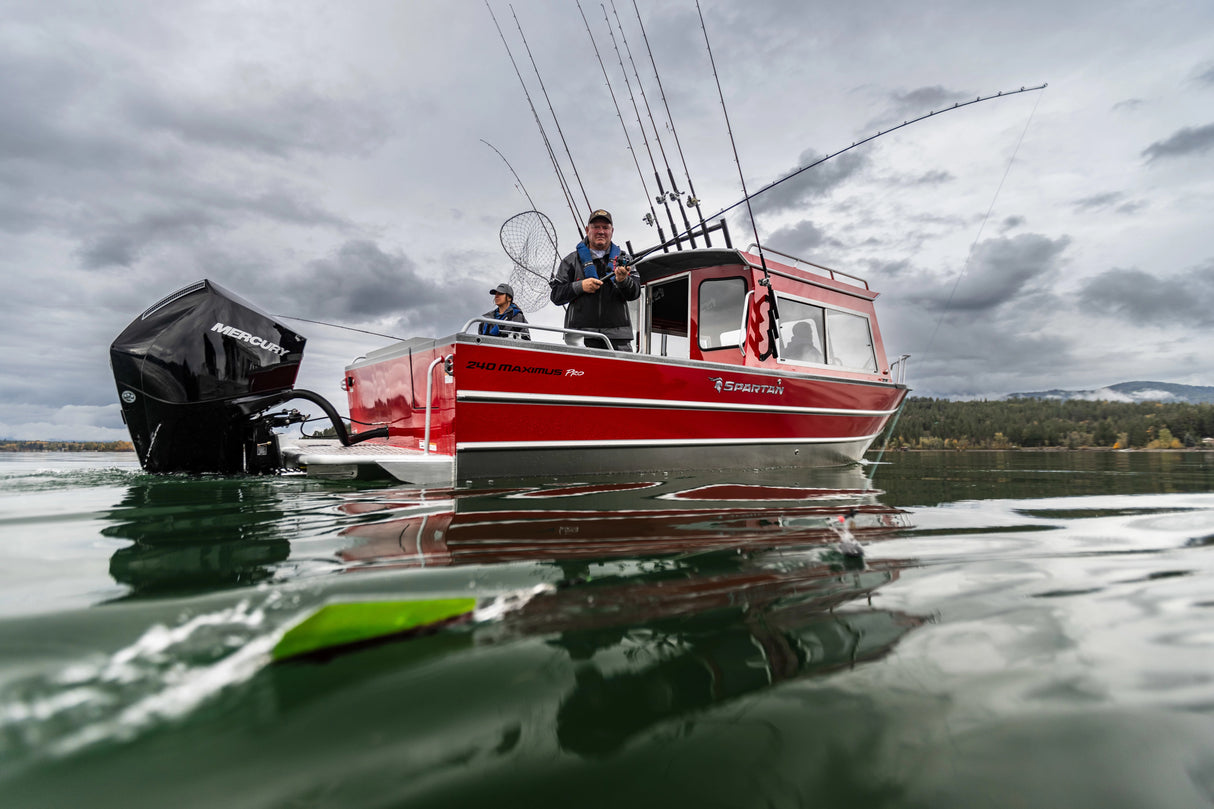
pixel 194 372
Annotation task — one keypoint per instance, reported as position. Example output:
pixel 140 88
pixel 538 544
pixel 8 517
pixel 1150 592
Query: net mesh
pixel 529 238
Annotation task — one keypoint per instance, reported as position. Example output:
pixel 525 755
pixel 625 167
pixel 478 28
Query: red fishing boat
pixel 716 383
pixel 704 390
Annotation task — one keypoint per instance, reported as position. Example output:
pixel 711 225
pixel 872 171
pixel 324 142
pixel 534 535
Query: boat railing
pixel 898 369
pixel 834 275
pixel 512 326
pixel 430 399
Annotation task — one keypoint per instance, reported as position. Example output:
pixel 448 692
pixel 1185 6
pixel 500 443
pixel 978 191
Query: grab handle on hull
pixel 429 400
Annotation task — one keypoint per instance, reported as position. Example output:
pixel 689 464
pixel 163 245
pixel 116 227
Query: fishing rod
pixel 880 133
pixel 674 193
pixel 517 179
pixel 551 235
pixel 644 139
pixel 652 218
pixel 692 199
pixel 535 67
pixel 543 134
pixel 773 322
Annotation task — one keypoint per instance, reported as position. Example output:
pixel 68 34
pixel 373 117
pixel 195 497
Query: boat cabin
pixel 712 305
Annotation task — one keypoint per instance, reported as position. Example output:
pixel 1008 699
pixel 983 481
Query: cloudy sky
pixel 324 160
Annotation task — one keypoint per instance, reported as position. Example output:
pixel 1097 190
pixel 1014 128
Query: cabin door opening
pixel 666 330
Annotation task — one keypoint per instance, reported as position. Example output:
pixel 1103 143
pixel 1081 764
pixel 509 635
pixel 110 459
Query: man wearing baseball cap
pixel 505 309
pixel 595 285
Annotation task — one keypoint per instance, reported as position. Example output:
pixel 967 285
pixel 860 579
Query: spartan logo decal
pixel 729 386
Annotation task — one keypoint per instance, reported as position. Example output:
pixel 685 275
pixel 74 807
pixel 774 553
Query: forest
pixel 8 445
pixel 1036 423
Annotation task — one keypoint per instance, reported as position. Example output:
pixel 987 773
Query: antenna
pixel 543 134
pixel 652 218
pixel 773 322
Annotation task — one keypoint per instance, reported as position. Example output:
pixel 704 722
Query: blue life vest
pixel 587 259
pixel 494 330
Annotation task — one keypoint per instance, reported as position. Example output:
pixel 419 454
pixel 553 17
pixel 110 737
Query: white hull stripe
pixel 657 442
pixel 665 404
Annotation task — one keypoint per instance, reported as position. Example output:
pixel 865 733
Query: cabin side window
pixel 849 341
pixel 822 335
pixel 719 320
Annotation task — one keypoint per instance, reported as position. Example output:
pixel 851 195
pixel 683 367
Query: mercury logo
pixel 253 340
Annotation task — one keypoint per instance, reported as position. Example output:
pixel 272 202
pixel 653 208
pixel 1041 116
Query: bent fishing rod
pixel 880 133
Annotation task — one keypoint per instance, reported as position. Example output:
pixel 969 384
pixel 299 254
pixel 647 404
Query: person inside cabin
pixel 595 283
pixel 505 309
pixel 804 344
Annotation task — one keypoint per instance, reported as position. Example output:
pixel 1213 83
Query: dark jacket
pixel 605 311
pixel 512 314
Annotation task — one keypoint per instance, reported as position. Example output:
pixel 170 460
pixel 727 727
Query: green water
pixel 1023 630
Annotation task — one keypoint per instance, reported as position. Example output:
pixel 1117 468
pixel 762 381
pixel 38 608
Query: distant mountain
pixel 1130 392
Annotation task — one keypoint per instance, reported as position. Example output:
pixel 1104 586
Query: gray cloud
pixel 794 194
pixel 1098 201
pixel 902 107
pixel 798 240
pixel 1183 142
pixel 278 122
pixel 1001 271
pixel 362 282
pixel 1187 297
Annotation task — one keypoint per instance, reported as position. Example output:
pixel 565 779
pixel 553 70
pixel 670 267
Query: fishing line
pixel 339 326
pixel 974 245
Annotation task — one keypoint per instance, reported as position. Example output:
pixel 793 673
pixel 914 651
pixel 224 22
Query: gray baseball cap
pixel 505 289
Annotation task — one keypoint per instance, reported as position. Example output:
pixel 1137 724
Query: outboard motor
pixel 195 373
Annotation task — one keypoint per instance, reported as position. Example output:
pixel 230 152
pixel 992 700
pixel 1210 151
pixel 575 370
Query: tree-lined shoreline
pixel 9 445
pixel 1049 423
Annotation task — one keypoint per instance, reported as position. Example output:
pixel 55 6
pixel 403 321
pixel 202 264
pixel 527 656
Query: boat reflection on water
pixel 673 596
pixel 611 519
pixel 197 534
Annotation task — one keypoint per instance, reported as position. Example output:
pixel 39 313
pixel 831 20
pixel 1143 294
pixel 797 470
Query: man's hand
pixel 621 273
pixel 592 284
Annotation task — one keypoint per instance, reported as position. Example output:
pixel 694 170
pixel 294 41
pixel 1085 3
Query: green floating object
pixel 344 624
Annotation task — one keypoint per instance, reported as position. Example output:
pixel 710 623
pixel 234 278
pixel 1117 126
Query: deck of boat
pixel 321 458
